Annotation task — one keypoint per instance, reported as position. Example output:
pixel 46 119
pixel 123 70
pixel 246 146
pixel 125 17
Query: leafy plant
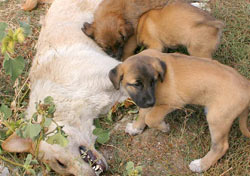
pixel 35 128
pixel 37 131
pixel 13 66
pixel 131 170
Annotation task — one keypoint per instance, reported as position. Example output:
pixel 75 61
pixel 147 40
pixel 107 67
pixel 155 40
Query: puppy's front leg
pixel 129 47
pixel 155 117
pixel 137 126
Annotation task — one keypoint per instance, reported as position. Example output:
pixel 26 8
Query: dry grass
pixel 159 154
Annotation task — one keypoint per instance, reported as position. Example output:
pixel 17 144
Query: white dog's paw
pixel 132 131
pixel 195 166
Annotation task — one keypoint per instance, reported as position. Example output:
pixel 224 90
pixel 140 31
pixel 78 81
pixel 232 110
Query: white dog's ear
pixel 15 143
pixel 115 76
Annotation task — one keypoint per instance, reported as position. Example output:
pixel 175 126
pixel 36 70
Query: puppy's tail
pixel 214 23
pixel 31 4
pixel 243 122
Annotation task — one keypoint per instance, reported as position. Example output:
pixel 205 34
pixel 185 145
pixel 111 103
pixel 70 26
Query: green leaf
pixel 35 116
pixel 48 100
pixel 109 116
pixel 47 122
pixel 32 171
pixel 59 139
pixel 139 168
pixel 28 160
pixel 34 161
pixel 130 166
pixel 6 111
pixel 103 136
pixel 13 67
pixel 3 27
pixel 26 28
pixel 51 109
pixel 32 131
pixel 97 123
pixel 47 167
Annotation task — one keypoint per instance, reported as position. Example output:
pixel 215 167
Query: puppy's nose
pixel 150 102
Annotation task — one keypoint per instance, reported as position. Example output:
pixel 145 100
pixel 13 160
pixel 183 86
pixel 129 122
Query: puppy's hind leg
pixel 200 51
pixel 137 126
pixel 219 126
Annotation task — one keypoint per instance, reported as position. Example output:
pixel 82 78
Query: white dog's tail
pixel 31 4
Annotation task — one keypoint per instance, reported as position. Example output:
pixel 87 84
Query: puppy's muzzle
pixel 116 54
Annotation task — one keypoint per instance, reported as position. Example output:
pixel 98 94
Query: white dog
pixel 71 68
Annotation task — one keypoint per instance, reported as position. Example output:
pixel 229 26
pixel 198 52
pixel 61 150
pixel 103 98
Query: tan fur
pixel 191 80
pixel 115 21
pixel 177 24
pixel 31 4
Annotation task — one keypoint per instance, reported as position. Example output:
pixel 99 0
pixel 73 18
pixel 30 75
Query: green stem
pixel 40 137
pixel 9 55
pixel 57 126
pixel 51 132
pixel 11 162
pixel 9 127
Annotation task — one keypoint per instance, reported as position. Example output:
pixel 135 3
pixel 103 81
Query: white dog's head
pixel 79 157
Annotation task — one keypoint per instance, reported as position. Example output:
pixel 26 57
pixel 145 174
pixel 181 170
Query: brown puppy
pixel 115 21
pixel 161 83
pixel 178 23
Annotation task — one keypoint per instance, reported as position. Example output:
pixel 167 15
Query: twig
pixel 21 88
pixel 226 171
pixel 108 145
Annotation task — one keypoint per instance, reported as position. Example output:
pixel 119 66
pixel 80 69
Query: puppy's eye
pixel 153 81
pixel 61 164
pixel 138 84
pixel 124 38
pixel 117 45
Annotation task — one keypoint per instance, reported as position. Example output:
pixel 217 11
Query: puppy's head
pixel 110 34
pixel 139 75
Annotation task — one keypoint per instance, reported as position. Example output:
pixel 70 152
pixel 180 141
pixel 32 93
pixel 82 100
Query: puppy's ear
pixel 160 67
pixel 115 76
pixel 88 29
pixel 126 29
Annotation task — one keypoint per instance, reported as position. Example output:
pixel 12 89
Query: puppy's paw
pixel 195 166
pixel 165 127
pixel 131 130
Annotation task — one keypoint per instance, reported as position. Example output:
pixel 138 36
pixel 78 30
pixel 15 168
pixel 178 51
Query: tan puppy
pixel 176 24
pixel 115 21
pixel 161 83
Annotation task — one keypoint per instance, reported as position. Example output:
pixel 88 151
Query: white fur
pixel 131 130
pixel 72 69
pixel 195 166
